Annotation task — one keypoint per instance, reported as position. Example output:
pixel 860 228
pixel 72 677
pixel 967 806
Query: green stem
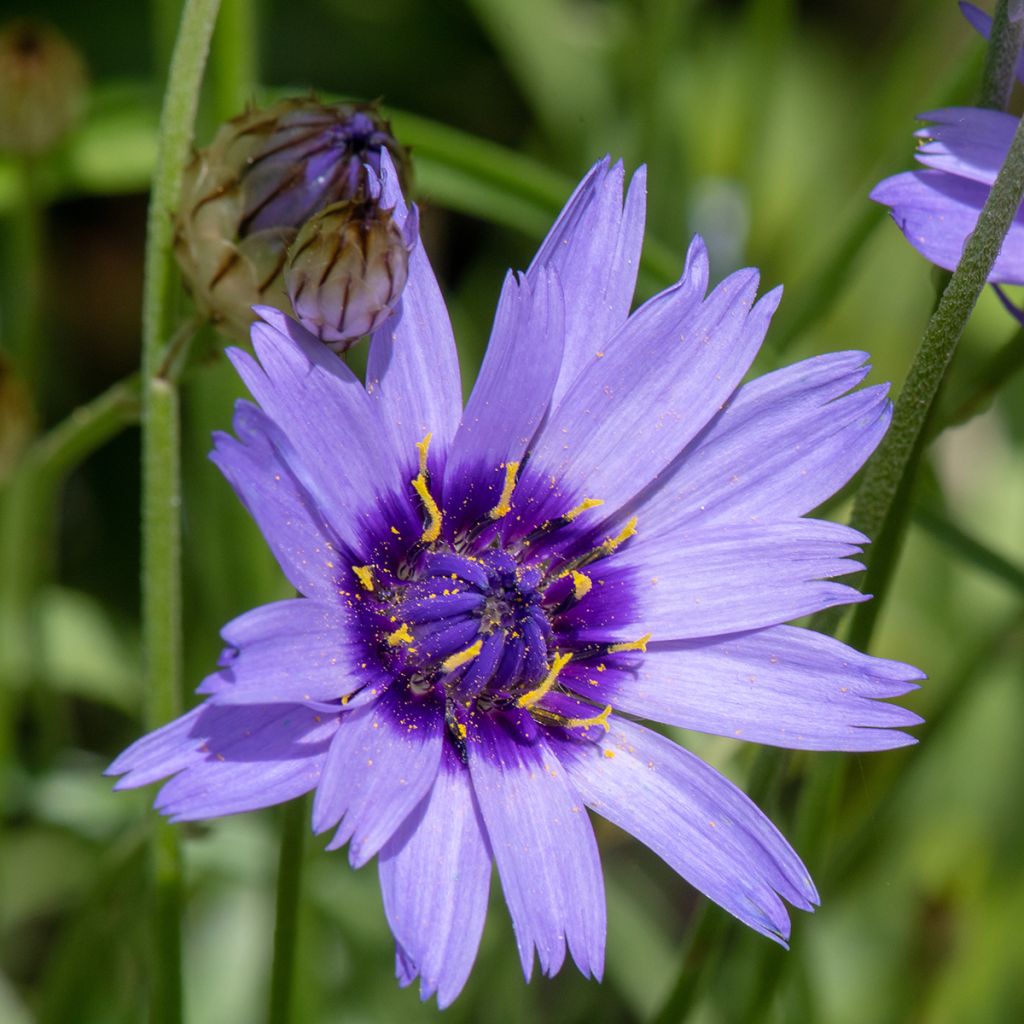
pixel 161 478
pixel 286 925
pixel 1001 58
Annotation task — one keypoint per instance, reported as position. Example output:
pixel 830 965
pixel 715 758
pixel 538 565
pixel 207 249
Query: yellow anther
pixel 400 636
pixel 632 645
pixel 582 723
pixel 620 538
pixel 531 698
pixel 433 528
pixel 581 584
pixel 503 507
pixel 450 664
pixel 461 730
pixel 364 573
pixel 423 447
pixel 582 507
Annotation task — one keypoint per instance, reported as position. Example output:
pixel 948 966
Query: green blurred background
pixel 763 124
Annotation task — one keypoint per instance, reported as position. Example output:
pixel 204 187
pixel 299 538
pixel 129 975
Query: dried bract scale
pixel 42 87
pixel 347 269
pixel 247 194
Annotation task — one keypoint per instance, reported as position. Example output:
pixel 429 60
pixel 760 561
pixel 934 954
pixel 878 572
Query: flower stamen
pixel 530 698
pixel 454 661
pixel 364 573
pixel 504 507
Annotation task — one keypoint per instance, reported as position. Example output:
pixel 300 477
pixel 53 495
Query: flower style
pixel 938 208
pixel 612 527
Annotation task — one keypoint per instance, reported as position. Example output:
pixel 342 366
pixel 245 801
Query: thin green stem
pixel 1001 58
pixel 286 926
pixel 161 477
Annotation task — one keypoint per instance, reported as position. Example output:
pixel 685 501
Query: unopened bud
pixel 246 195
pixel 347 269
pixel 42 87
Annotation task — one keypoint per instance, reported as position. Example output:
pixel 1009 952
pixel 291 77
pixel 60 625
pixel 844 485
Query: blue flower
pixel 612 527
pixel 938 208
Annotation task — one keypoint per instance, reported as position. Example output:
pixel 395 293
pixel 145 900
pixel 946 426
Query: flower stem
pixel 233 61
pixel 161 479
pixel 289 885
pixel 1001 58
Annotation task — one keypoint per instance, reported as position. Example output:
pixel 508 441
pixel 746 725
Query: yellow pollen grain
pixel 586 503
pixel 461 730
pixel 364 574
pixel 531 698
pixel 582 723
pixel 609 753
pixel 433 528
pixel 460 658
pixel 581 584
pixel 621 537
pixel 503 507
pixel 631 645
pixel 423 447
pixel 400 636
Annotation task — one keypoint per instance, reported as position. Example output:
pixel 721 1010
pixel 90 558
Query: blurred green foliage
pixel 764 123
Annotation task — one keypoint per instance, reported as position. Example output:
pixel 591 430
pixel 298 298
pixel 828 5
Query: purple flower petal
pixel 513 389
pixel 969 142
pixel 382 762
pixel 158 754
pixel 662 378
pixel 544 847
pixel 254 757
pixel 595 248
pixel 413 369
pixel 783 686
pixel 703 582
pixel 696 820
pixel 435 874
pixel 937 211
pixel 292 651
pixel 326 414
pixel 298 533
pixel 783 444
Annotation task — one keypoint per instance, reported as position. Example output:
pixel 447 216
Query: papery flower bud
pixel 246 195
pixel 42 87
pixel 347 269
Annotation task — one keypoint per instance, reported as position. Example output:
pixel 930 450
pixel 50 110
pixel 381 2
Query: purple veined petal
pixel 784 444
pixel 783 686
pixel 734 577
pixel 435 874
pixel 695 819
pixel 512 390
pixel 670 370
pixel 937 211
pixel 594 246
pixel 981 22
pixel 326 414
pixel 544 847
pixel 255 757
pixel 382 762
pixel 163 752
pixel 413 369
pixel 292 651
pixel 303 543
pixel 969 142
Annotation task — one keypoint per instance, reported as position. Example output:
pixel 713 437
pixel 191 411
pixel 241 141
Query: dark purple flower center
pixel 490 619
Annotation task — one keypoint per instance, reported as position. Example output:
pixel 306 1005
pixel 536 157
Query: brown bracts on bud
pixel 248 193
pixel 347 269
pixel 42 87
